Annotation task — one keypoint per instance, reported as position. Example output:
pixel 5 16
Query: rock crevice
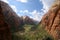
pixel 51 20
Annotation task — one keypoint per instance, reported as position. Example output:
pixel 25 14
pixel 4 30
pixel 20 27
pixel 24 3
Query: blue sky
pixel 33 8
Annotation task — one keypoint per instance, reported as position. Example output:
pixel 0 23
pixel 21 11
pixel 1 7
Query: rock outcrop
pixel 51 20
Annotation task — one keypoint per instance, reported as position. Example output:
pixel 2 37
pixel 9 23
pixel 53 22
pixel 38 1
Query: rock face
pixel 51 21
pixel 9 21
pixel 5 33
pixel 10 16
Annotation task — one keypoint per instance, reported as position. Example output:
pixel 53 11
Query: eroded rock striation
pixel 51 20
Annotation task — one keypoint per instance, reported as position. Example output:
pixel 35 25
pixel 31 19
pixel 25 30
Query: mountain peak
pixel 24 17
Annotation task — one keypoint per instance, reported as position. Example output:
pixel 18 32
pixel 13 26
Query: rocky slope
pixel 51 20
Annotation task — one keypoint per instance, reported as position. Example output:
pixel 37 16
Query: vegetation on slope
pixel 38 34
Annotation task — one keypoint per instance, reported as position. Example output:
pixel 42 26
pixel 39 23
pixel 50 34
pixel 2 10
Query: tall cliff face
pixel 10 16
pixel 5 33
pixel 51 20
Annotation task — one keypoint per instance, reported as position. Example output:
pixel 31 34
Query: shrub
pixel 38 34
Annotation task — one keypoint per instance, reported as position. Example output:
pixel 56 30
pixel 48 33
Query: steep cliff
pixel 5 33
pixel 51 20
pixel 10 16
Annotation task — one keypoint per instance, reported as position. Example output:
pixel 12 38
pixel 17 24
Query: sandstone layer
pixel 51 20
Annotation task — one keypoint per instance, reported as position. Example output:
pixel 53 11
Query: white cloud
pixel 23 1
pixel 46 5
pixel 35 14
pixel 5 1
pixel 24 11
pixel 38 15
pixel 14 8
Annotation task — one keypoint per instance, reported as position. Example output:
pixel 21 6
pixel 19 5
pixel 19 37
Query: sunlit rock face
pixel 51 20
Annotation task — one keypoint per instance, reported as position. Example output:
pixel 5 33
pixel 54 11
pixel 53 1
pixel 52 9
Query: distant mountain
pixel 28 20
pixel 51 20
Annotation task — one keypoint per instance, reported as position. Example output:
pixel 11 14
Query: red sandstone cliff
pixel 51 20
